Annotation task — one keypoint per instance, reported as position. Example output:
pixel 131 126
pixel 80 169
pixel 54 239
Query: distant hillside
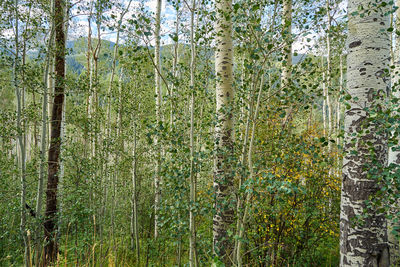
pixel 77 52
pixel 77 49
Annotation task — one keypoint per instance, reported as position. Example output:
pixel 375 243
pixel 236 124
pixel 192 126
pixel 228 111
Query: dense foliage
pixel 287 137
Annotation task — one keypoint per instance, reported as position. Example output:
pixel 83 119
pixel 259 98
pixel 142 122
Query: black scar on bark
pixel 355 44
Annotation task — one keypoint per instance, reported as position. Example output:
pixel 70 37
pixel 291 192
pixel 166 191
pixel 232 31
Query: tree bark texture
pixel 223 174
pixel 365 144
pixel 193 182
pixel 51 247
pixel 287 39
pixel 157 61
pixel 21 137
pixel 394 154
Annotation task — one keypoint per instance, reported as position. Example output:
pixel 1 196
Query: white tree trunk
pixel 287 37
pixel 341 89
pixel 43 145
pixel 338 117
pixel 223 175
pixel 329 73
pixel 21 138
pixel 157 61
pixel 174 65
pixel 287 53
pixel 243 220
pixel 364 244
pixel 134 222
pixel 324 106
pixel 394 155
pixel 192 221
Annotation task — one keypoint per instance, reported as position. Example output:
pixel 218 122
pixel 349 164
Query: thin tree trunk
pixel 324 105
pixel 114 61
pixel 328 73
pixel 134 200
pixel 239 205
pixel 23 79
pixel 364 244
pixel 109 93
pixel 287 53
pixel 174 64
pixel 338 115
pixel 89 101
pixel 192 220
pixel 223 175
pixel 20 137
pixel 50 87
pixel 51 247
pixel 287 49
pixel 43 148
pixel 394 154
pixel 250 167
pixel 61 179
pixel 157 60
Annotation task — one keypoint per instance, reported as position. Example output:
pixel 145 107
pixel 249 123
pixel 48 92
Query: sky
pixel 80 25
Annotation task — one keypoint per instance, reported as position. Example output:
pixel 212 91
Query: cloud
pixel 305 44
pixel 152 5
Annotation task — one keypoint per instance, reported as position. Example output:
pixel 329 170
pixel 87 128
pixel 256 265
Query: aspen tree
pixel 175 62
pixel 223 173
pixel 251 176
pixel 43 145
pixel 338 112
pixel 114 62
pixel 158 93
pixel 63 133
pixel 119 119
pixel 324 104
pixel 287 52
pixel 328 71
pixel 51 246
pixel 394 155
pixel 89 69
pixel 21 136
pixel 364 243
pixel 134 220
pixel 245 138
pixel 192 220
pixel 287 39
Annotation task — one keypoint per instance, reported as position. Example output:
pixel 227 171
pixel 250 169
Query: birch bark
pixel 223 175
pixel 328 73
pixel 20 138
pixel 43 145
pixel 192 220
pixel 368 44
pixel 287 38
pixel 394 154
pixel 157 61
